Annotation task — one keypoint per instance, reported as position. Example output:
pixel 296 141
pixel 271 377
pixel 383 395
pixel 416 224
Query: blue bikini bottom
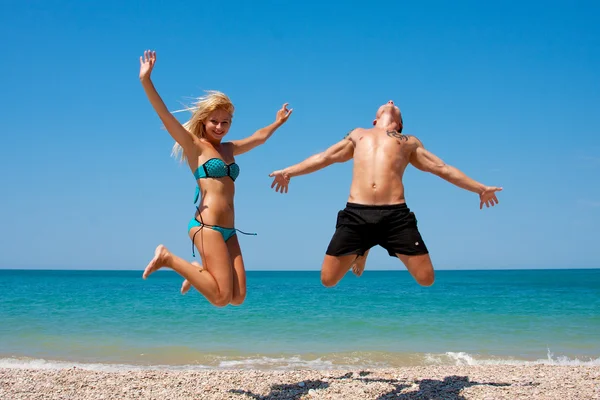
pixel 227 233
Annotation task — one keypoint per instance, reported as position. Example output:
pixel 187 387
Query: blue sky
pixel 508 92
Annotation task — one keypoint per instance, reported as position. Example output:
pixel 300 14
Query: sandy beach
pixel 431 382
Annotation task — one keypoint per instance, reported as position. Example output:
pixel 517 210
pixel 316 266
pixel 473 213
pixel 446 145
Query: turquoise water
pixel 289 320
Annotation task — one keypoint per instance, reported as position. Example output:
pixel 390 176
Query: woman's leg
pixel 215 280
pixel 239 271
pixel 186 285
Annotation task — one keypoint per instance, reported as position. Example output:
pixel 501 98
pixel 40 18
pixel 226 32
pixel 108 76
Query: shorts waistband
pixel 398 206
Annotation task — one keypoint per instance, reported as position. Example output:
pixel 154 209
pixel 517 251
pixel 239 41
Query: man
pixel 376 212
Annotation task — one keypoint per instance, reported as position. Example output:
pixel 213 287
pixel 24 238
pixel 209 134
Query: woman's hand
pixel 147 62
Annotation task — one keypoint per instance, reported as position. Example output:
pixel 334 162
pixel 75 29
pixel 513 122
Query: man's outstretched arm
pixel 429 162
pixel 339 152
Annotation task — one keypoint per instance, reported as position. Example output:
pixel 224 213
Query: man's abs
pixel 379 191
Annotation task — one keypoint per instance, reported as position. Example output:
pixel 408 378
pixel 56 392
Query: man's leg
pixel 334 268
pixel 350 240
pixel 420 267
pixel 402 239
pixel 358 266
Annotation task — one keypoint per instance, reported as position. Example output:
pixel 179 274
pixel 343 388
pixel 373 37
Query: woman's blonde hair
pixel 203 107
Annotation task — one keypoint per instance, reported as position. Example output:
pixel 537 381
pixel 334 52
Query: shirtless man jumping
pixel 376 212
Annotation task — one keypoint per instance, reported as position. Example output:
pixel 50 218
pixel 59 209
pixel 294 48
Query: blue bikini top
pixel 215 168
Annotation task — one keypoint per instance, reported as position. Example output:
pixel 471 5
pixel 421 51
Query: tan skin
pixel 381 155
pixel 222 277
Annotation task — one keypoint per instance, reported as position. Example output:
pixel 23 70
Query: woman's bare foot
pixel 358 266
pixel 161 254
pixel 186 284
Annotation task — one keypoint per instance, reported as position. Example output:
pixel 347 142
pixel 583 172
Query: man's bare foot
pixel 358 266
pixel 186 284
pixel 161 254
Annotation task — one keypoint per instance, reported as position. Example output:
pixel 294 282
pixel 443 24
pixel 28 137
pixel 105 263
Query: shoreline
pixel 443 382
pixel 288 362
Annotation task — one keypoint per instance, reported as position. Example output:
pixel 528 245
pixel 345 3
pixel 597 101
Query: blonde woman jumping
pixel 222 277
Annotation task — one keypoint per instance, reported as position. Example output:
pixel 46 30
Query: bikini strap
pixel 201 225
pixel 245 233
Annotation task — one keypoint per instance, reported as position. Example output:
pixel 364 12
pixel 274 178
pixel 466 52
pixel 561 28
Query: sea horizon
pixel 369 269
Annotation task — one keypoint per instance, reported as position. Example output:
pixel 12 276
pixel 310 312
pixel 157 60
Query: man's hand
pixel 488 196
pixel 281 181
pixel 283 114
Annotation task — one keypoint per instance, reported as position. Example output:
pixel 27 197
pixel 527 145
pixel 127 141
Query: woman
pixel 221 278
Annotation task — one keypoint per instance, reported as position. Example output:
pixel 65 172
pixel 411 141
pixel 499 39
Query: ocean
pixel 111 320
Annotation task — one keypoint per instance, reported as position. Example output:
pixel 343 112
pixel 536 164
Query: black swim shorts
pixel 360 227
